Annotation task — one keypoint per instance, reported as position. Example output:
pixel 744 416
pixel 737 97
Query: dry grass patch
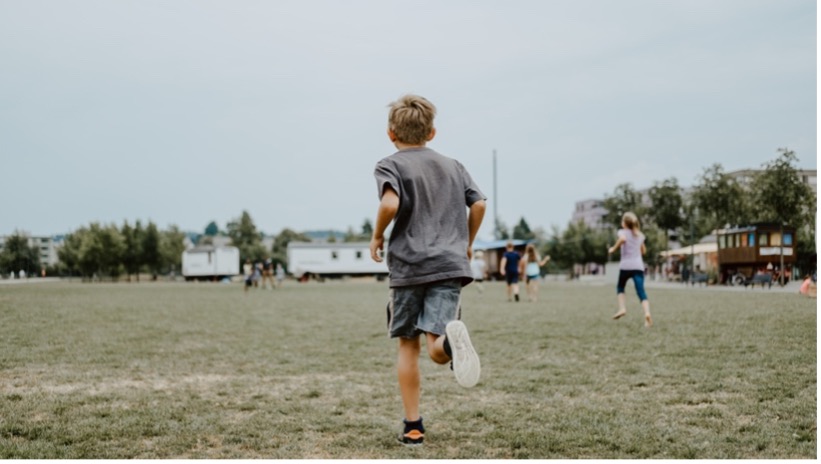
pixel 155 370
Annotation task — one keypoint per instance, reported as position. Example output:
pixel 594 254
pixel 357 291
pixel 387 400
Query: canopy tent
pixel 697 249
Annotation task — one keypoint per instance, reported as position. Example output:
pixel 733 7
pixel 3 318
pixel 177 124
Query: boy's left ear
pixel 432 134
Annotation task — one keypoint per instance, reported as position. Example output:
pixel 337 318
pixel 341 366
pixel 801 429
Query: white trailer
pixel 321 260
pixel 210 263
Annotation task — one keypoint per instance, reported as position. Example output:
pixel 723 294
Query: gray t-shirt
pixel 429 239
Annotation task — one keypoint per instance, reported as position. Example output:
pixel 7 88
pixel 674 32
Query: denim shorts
pixel 425 308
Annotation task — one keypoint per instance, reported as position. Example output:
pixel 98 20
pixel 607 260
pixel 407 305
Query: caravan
pixel 210 263
pixel 321 260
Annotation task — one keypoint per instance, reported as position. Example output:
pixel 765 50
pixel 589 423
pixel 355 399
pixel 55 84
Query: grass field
pixel 163 370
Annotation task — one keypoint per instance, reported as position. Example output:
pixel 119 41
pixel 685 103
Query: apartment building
pixel 47 246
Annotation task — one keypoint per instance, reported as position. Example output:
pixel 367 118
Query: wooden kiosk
pixel 745 252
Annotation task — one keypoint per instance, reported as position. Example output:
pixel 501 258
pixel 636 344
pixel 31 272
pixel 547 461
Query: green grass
pixel 161 370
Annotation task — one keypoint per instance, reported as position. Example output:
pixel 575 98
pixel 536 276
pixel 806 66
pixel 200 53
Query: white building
pixel 333 259
pixel 590 212
pixel 47 246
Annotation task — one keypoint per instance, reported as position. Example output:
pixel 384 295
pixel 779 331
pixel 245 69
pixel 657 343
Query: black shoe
pixel 414 433
pixel 517 298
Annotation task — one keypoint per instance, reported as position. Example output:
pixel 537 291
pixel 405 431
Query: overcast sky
pixel 184 112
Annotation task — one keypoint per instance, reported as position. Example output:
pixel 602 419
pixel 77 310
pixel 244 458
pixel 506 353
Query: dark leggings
pixel 638 280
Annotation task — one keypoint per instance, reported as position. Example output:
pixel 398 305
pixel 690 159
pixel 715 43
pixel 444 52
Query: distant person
pixel 267 273
pixel 479 269
pixel 427 196
pixel 805 285
pixel 257 273
pixel 280 274
pixel 249 281
pixel 22 274
pixel 509 267
pixel 533 263
pixel 247 268
pixel 631 266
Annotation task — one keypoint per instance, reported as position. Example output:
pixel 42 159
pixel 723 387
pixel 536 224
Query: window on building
pixel 763 239
pixel 787 239
pixel 775 239
pixel 751 239
pixel 743 240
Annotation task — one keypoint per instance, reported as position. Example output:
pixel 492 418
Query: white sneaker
pixel 466 365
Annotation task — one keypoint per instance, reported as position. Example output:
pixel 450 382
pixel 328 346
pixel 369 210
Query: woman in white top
pixel 631 266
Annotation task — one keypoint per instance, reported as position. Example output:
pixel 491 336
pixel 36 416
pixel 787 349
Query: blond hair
pixel 411 119
pixel 631 221
pixel 531 252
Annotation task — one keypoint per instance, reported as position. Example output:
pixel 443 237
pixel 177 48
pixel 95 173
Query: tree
pixel 101 251
pixel 720 200
pixel 351 236
pixel 779 196
pixel 132 254
pixel 521 231
pixel 212 229
pixel 578 244
pixel 367 230
pixel 245 236
pixel 17 255
pixel 152 258
pixel 280 248
pixel 655 241
pixel 172 244
pixel 624 199
pixel 667 207
pixel 69 252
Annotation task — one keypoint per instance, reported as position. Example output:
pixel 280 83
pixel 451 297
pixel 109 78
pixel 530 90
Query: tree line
pixel 775 194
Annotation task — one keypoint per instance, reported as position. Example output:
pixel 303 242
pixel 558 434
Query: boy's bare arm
pixel 384 215
pixel 475 216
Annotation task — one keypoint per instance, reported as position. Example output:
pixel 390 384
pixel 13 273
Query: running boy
pixel 509 267
pixel 436 210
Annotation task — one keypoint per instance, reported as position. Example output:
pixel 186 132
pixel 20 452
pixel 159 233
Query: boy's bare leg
pixel 436 348
pixel 408 370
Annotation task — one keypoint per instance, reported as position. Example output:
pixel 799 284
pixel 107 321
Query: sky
pixel 183 112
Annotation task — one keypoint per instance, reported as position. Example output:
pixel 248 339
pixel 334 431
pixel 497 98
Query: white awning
pixel 697 249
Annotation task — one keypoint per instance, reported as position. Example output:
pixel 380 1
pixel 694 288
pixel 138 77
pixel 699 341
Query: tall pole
pixel 692 245
pixel 781 247
pixel 495 201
